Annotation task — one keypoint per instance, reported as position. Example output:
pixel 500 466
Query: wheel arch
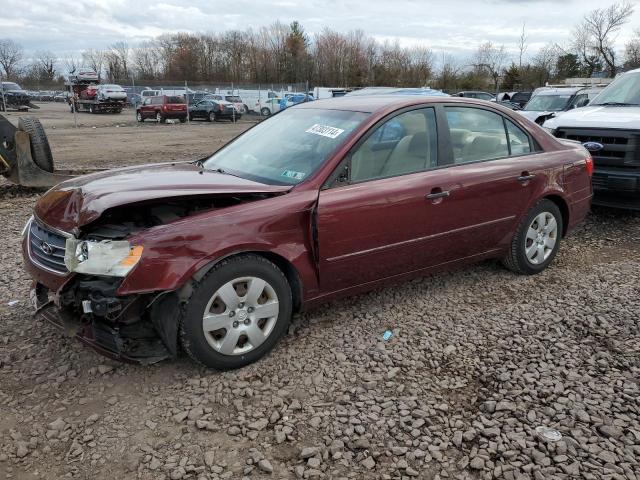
pixel 562 204
pixel 287 268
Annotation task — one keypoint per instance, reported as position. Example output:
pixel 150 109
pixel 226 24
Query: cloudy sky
pixel 64 26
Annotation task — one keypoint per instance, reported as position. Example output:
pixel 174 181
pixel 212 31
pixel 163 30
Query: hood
pixel 534 114
pixel 82 200
pixel 598 117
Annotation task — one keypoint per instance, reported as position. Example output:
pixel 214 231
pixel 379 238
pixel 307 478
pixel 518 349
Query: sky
pixel 457 27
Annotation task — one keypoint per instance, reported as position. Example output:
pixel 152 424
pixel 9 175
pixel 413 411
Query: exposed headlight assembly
pixel 106 257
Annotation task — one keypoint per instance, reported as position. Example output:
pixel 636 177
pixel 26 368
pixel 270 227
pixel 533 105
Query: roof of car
pixel 373 103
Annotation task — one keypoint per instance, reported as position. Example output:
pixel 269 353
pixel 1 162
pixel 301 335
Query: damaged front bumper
pixel 139 329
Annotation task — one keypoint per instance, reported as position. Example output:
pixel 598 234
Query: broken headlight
pixel 107 257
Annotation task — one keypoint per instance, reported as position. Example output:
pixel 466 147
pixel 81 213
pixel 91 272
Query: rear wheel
pixel 183 119
pixel 139 117
pixel 212 117
pixel 40 149
pixel 537 239
pixel 159 118
pixel 237 313
pixel 91 109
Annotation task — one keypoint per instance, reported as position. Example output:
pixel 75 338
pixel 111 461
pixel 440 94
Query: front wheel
pixel 237 313
pixel 212 117
pixel 183 119
pixel 139 117
pixel 159 118
pixel 265 112
pixel 536 240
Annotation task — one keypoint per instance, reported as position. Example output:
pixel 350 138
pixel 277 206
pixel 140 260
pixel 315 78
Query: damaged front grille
pixel 47 248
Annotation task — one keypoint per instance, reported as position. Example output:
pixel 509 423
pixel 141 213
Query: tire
pixel 211 117
pixel 206 348
pixel 245 109
pixel 91 110
pixel 40 149
pixel 183 119
pixel 139 117
pixel 530 239
pixel 160 118
pixel 265 112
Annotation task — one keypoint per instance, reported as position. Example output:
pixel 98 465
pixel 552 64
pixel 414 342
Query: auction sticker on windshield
pixel 325 130
pixel 293 174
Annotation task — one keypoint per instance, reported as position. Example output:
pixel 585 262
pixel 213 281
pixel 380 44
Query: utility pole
pixel 4 105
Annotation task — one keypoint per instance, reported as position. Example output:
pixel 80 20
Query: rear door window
pixel 476 134
pixel 519 143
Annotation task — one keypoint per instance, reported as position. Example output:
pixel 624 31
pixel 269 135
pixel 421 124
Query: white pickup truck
pixel 609 127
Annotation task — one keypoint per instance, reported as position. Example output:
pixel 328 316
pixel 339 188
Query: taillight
pixel 588 163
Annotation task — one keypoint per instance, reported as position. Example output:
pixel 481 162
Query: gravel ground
pixel 479 359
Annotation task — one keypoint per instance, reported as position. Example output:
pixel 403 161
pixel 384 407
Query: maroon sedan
pixel 325 199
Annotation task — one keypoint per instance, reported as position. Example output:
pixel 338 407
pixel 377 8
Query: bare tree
pixel 522 45
pixel 72 63
pixel 491 59
pixel 120 52
pixel 45 63
pixel 601 26
pixel 632 52
pixel 449 73
pixel 94 59
pixel 11 54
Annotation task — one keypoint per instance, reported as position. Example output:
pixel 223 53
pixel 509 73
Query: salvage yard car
pixel 161 108
pixel 609 127
pixel 213 110
pixel 326 199
pixel 547 102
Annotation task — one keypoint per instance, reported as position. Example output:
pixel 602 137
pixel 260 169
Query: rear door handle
pixel 436 195
pixel 525 177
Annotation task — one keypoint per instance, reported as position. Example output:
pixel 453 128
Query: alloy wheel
pixel 541 238
pixel 240 315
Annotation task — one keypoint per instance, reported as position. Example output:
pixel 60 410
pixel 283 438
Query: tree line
pixel 287 54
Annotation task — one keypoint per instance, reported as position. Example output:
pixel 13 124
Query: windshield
pixel 548 103
pixel 230 98
pixel 624 89
pixel 287 148
pixel 10 86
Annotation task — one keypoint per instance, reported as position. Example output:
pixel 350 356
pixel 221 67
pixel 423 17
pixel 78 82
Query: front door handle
pixel 434 195
pixel 525 177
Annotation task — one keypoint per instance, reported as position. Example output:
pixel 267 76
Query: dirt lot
pixel 108 140
pixel 479 359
